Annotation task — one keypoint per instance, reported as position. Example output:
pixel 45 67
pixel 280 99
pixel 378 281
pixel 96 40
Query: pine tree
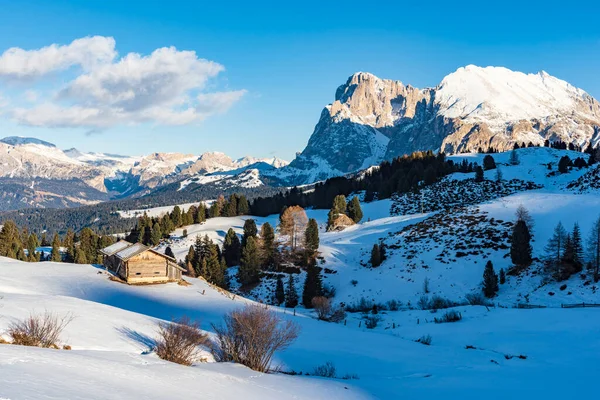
pixel 169 252
pixel 354 210
pixel 490 280
pixel 555 247
pixel 523 215
pixel 520 245
pixel 291 296
pixel 593 248
pixel 55 255
pixel 311 238
pixel 502 276
pixel 578 256
pixel 200 215
pixel 489 162
pixel 279 292
pixel 212 266
pixel 232 248
pixel 267 235
pixel 230 209
pixel 176 216
pixel 478 174
pixel 514 158
pixel 156 234
pixel 250 230
pixel 339 204
pixel 249 269
pixel 312 285
pixel 563 164
pixel 80 257
pixel 375 256
pixel 243 208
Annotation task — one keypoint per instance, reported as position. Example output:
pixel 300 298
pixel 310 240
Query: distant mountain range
pixel 35 173
pixel 370 120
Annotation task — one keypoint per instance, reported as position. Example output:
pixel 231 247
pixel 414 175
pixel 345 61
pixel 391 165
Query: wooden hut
pixel 136 263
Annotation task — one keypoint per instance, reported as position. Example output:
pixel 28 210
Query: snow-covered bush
pixel 180 340
pixel 326 370
pixel 371 321
pixel 449 316
pixel 425 339
pixel 40 330
pixel 477 299
pixel 251 336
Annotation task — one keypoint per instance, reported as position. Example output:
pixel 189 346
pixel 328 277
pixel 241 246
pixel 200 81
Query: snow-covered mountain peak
pixel 499 95
pixel 21 141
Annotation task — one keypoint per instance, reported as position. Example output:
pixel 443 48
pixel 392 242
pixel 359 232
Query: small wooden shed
pixel 136 263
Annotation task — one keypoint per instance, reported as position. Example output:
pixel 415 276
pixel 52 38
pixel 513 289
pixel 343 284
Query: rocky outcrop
pixel 373 119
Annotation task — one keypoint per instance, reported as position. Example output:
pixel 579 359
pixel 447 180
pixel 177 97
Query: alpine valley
pixel 370 120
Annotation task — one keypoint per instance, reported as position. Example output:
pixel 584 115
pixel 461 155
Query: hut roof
pixel 131 251
pixel 115 247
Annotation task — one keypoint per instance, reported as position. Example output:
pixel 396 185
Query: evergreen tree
pixel 578 256
pixel 563 164
pixel 311 238
pixel 55 255
pixel 250 230
pixel 156 234
pixel 249 270
pixel 312 285
pixel 555 247
pixel 489 162
pixel 212 266
pixel 354 210
pixel 10 240
pixel 490 280
pixel 169 252
pixel 502 276
pixel 214 211
pixel 190 262
pixel 200 215
pixel 520 245
pixel 267 235
pixel 478 174
pixel 232 248
pixel 176 216
pixel 291 296
pixel 514 158
pixel 339 204
pixel 375 256
pixel 45 242
pixel 593 248
pixel 279 292
pixel 69 244
pixel 230 209
pixel 80 257
pixel 243 208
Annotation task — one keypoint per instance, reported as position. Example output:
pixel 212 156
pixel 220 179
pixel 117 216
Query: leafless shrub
pixel 477 299
pixel 251 336
pixel 371 321
pixel 450 316
pixel 425 339
pixel 326 370
pixel 325 311
pixel 39 330
pixel 179 341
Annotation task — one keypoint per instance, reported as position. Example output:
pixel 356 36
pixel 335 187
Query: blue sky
pixel 282 62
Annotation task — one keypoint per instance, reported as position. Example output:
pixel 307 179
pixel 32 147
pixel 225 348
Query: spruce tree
pixel 520 245
pixel 250 230
pixel 375 256
pixel 555 247
pixel 354 210
pixel 502 276
pixel 311 238
pixel 312 285
pixel 489 162
pixel 80 257
pixel 478 174
pixel 55 255
pixel 267 235
pixel 176 216
pixel 169 252
pixel 230 209
pixel 249 270
pixel 490 280
pixel 291 295
pixel 593 248
pixel 156 234
pixel 232 248
pixel 243 208
pixel 279 292
pixel 578 256
pixel 339 204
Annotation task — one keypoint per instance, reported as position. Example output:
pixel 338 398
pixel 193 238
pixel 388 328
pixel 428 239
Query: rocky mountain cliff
pixel 373 119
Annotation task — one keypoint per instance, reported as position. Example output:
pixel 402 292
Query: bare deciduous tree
pixel 179 341
pixel 39 330
pixel 292 224
pixel 251 336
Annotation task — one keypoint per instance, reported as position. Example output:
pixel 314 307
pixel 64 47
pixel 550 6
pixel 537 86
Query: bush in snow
pixel 393 305
pixel 41 330
pixel 489 162
pixel 435 303
pixel 326 370
pixel 371 321
pixel 325 311
pixel 251 336
pixel 477 299
pixel 425 339
pixel 449 316
pixel 179 341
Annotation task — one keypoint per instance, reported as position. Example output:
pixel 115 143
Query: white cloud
pixel 166 87
pixel 88 52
